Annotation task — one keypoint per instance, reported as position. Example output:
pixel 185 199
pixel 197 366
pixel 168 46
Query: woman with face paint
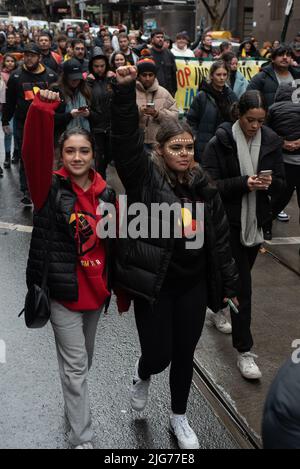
pixel 170 281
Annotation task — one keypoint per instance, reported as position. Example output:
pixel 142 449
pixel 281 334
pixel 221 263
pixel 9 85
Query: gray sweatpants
pixel 75 338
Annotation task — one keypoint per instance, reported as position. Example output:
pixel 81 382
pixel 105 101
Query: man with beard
pixel 50 59
pixel 79 53
pixel 99 82
pixel 165 62
pixel 23 84
pixel 280 71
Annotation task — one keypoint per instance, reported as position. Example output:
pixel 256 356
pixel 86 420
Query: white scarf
pixel 248 155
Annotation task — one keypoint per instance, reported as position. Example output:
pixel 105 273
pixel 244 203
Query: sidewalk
pixel 275 325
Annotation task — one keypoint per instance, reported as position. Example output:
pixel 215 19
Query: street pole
pixel 288 14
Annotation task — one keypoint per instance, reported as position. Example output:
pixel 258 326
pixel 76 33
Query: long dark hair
pixel 75 131
pixel 68 92
pixel 252 99
pixel 12 57
pixel 171 129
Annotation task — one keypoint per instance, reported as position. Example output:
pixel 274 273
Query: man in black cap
pixel 165 62
pixel 50 58
pixel 23 84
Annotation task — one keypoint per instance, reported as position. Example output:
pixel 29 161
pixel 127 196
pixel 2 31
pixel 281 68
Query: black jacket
pixel 20 92
pixel 266 82
pixel 100 104
pixel 142 264
pixel 204 117
pixel 221 161
pixel 62 277
pixel 284 114
pixel 281 417
pixel 166 69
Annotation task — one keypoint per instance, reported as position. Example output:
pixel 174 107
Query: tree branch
pixel 225 11
pixel 208 9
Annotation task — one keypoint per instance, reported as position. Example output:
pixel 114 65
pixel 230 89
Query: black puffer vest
pixel 62 278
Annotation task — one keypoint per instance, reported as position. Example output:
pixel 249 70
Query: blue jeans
pixel 8 138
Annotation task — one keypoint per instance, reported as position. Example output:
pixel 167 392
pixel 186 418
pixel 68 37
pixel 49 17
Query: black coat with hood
pixel 266 82
pixel 281 416
pixel 284 114
pixel 221 161
pixel 101 96
pixel 142 264
pixel 205 116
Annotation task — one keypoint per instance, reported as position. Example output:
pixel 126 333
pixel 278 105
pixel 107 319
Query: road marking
pixel 282 241
pixel 13 227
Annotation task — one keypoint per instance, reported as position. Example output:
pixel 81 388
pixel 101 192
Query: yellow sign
pixel 190 73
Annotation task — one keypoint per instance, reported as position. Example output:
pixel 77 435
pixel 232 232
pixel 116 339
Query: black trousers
pixel 241 323
pixel 169 332
pixel 22 175
pixel 292 174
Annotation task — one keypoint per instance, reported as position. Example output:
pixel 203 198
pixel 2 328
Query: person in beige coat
pixel 156 105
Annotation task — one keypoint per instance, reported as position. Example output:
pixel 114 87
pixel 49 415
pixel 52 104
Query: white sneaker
pixel 219 320
pixel 139 391
pixel 88 445
pixel 247 365
pixel 186 437
pixel 282 216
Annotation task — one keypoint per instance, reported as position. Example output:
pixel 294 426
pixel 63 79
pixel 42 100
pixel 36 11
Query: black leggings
pixel 169 332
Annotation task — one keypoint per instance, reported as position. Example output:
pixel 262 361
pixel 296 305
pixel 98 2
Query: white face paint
pixel 178 152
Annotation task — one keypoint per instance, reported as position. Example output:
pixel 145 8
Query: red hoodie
pixel 38 153
pixel 91 263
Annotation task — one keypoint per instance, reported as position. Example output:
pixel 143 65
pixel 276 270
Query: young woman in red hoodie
pixel 78 279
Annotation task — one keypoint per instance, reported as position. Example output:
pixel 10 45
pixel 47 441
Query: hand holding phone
pixel 266 172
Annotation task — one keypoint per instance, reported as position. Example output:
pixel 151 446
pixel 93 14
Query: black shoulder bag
pixel 37 310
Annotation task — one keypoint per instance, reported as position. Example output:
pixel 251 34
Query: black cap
pixel 46 32
pixel 73 70
pixel 33 48
pixel 157 31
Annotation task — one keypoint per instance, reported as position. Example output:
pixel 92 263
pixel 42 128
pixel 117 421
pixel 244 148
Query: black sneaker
pixel 26 200
pixel 15 158
pixel 268 235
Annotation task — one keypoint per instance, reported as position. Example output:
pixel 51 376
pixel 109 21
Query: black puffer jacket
pixel 284 115
pixel 221 161
pixel 142 264
pixel 101 96
pixel 281 417
pixel 62 277
pixel 204 116
pixel 266 82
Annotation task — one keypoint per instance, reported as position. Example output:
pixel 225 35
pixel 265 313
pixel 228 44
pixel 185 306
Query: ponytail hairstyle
pixel 75 131
pixel 252 99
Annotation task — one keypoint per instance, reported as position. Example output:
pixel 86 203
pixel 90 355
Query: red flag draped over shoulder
pixel 38 149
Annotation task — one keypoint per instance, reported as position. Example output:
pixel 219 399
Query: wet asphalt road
pixel 31 405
